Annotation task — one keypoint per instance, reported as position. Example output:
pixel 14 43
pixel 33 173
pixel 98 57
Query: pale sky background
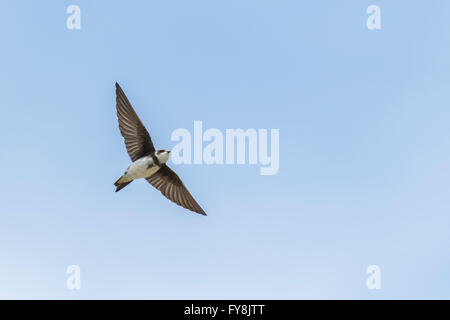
pixel 364 149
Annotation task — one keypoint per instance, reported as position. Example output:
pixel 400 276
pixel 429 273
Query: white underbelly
pixel 141 168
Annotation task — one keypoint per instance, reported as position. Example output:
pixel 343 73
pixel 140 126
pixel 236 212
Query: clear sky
pixel 364 173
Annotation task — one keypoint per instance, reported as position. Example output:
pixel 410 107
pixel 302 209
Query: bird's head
pixel 163 155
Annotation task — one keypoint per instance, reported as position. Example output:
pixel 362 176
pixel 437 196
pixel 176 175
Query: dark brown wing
pixel 137 139
pixel 171 186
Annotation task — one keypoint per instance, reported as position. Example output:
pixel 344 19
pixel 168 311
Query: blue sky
pixel 364 149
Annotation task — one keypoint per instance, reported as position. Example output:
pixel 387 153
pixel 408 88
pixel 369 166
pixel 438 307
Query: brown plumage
pixel 139 144
pixel 137 139
pixel 171 186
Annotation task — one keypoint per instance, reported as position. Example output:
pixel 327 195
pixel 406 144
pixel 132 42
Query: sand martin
pixel 147 162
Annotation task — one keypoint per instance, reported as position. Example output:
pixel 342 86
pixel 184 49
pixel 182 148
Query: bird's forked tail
pixel 120 185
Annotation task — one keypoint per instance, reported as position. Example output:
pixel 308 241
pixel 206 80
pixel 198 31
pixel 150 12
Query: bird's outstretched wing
pixel 171 186
pixel 137 139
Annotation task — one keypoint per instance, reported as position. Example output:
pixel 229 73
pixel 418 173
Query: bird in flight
pixel 147 162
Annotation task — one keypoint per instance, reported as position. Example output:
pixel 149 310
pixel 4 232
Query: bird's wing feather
pixel 171 186
pixel 137 139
